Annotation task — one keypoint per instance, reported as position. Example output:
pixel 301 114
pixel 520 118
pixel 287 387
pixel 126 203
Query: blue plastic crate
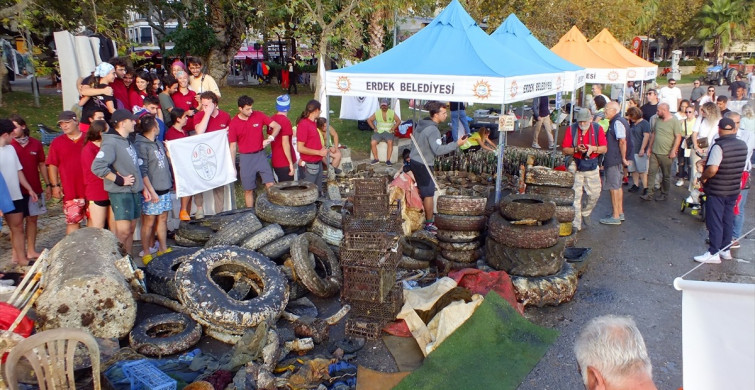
pixel 47 134
pixel 143 375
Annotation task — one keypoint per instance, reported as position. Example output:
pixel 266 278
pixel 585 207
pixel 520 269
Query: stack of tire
pixel 523 240
pixel 419 250
pixel 292 205
pixel 461 222
pixel 329 222
pixel 555 186
pixel 197 232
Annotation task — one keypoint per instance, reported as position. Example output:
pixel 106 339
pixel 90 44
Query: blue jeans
pixel 739 219
pixel 719 219
pixel 459 115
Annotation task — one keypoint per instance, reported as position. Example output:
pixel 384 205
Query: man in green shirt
pixel 665 136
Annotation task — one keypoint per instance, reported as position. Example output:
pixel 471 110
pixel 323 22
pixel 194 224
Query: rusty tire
pixel 461 205
pixel 468 256
pixel 460 222
pixel 457 236
pixel 235 231
pixel 459 246
pixel 525 262
pixel 418 248
pixel 517 207
pixel 292 193
pixel 165 334
pixel 284 215
pixel 523 236
pixel 544 176
pixel 558 195
pixel 547 290
pixel 160 274
pixel 330 213
pixel 407 262
pixel 564 214
pixel 262 237
pixel 206 296
pixel 329 280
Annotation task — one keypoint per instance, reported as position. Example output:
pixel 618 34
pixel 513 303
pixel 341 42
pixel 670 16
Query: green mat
pixel 495 349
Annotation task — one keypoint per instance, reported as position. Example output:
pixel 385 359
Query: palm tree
pixel 722 21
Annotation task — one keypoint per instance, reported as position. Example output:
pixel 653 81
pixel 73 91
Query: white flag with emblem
pixel 201 162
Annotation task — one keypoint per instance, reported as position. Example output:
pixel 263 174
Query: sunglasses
pixel 711 90
pixel 690 112
pixel 671 83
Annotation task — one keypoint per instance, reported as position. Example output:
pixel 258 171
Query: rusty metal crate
pixel 386 223
pixel 364 327
pixel 374 186
pixel 380 311
pixel 369 241
pixel 370 284
pixel 370 206
pixel 370 258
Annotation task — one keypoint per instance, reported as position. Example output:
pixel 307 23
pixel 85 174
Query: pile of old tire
pixel 523 240
pixel 461 222
pixel 196 233
pixel 418 250
pixel 292 205
pixel 329 222
pixel 229 289
pixel 555 186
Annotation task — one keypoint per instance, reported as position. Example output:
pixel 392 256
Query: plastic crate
pixel 364 327
pixel 370 258
pixel 374 186
pixel 386 223
pixel 380 311
pixel 47 134
pixel 370 206
pixel 143 375
pixel 369 284
pixel 381 242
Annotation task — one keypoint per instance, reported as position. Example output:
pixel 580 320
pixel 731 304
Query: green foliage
pixel 197 38
pixel 701 66
pixel 723 21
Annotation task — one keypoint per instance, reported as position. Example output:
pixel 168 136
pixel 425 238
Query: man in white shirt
pixel 671 95
pixel 198 81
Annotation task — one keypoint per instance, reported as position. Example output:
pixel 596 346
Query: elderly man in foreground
pixel 611 355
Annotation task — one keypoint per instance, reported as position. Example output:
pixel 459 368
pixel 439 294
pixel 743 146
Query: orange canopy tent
pixel 574 48
pixel 608 47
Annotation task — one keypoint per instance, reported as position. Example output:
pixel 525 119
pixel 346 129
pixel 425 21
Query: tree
pixel 9 9
pixel 722 21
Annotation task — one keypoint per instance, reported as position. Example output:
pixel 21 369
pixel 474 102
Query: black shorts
pixel 21 206
pixel 425 183
pixel 101 203
pixel 283 175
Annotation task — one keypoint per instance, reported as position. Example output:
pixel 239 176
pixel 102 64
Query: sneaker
pixel 735 245
pixel 610 221
pixel 375 161
pixel 708 258
pixel 644 191
pixel 430 227
pixel 587 221
pixel 725 255
pixel 199 214
pixel 146 259
pixel 621 217
pixel 647 197
pixel 625 181
pixel 680 182
pixel 152 250
pixel 536 146
pixel 184 216
pixel 388 163
pixel 168 250
pixel 633 188
pixel 661 196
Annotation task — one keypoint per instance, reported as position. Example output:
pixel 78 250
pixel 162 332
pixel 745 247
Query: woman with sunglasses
pixel 710 96
pixel 683 155
pixel 706 127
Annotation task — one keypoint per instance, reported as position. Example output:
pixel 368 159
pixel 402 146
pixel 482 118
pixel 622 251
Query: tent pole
pixel 331 170
pixel 501 146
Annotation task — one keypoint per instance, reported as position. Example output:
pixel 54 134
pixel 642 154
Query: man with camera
pixel 585 141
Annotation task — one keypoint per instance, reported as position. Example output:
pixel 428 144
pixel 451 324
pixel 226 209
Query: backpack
pixel 586 164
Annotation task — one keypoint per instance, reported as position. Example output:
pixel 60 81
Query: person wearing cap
pixel 117 163
pixel 665 137
pixel 722 180
pixel 96 92
pixel 13 175
pixel 247 136
pixel 282 147
pixel 66 180
pixel 383 122
pixel 210 118
pixel 585 141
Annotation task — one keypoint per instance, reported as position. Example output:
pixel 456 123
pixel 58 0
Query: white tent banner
pixel 574 80
pixel 718 334
pixel 605 76
pixel 529 87
pixel 201 162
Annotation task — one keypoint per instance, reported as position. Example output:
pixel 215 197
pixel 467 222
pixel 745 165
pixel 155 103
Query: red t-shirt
pixel 306 131
pixel 136 99
pixel 588 138
pixel 218 122
pixel 120 92
pixel 30 156
pixel 248 133
pixel 279 159
pixel 174 133
pixel 65 154
pixel 186 102
pixel 94 188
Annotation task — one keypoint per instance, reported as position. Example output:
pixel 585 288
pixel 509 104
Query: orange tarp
pixel 608 47
pixel 574 48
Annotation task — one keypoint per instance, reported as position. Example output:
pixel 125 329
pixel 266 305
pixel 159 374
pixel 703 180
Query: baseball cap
pixel 66 116
pixel 583 115
pixel 283 103
pixel 726 124
pixel 384 102
pixel 121 115
pixel 103 69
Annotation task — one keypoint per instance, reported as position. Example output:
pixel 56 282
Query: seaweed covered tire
pixel 468 256
pixel 330 234
pixel 292 193
pixel 311 254
pixel 547 290
pixel 558 195
pixel 279 247
pixel 461 205
pixel 284 215
pixel 457 236
pixel 460 222
pixel 418 248
pixel 185 242
pixel 160 274
pixel 523 236
pixel 544 176
pixel 564 214
pixel 525 262
pixel 165 334
pixel 517 207
pixel 195 231
pixel 206 295
pixel 407 262
pixel 330 213
pixel 235 231
pixel 262 237
pixel 217 221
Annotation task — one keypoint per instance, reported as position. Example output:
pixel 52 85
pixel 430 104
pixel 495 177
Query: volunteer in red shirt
pixel 120 89
pixel 282 147
pixel 63 167
pixel 31 154
pixel 247 135
pixel 179 117
pixel 98 201
pixel 185 99
pixel 590 140
pixel 210 118
pixel 309 145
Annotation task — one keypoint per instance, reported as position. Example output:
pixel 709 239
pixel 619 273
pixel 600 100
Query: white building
pixel 142 35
